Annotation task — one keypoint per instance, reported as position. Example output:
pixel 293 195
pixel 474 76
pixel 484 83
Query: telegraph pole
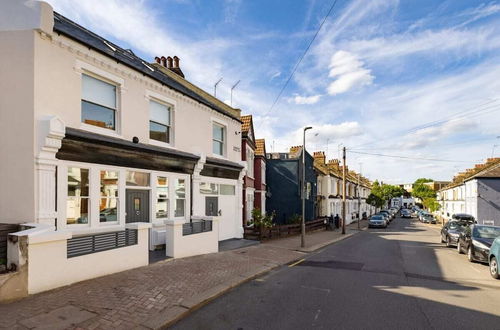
pixel 303 188
pixel 359 197
pixel 343 191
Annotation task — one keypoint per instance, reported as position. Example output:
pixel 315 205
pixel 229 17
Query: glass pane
pixel 109 183
pixel 180 188
pixel 208 188
pixel 108 210
pixel 227 189
pixel 77 210
pixel 162 181
pixel 78 182
pixel 137 179
pixel 217 148
pixel 159 132
pixel 162 208
pixel 218 132
pixel 159 113
pixel 98 91
pixel 97 115
pixel 179 207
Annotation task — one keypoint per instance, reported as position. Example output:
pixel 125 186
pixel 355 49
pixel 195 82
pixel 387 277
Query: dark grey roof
pixel 78 33
pixel 111 141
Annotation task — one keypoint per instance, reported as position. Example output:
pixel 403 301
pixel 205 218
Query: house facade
pixel 260 183
pixel 108 147
pixel 476 192
pixel 248 156
pixel 284 181
pixel 330 190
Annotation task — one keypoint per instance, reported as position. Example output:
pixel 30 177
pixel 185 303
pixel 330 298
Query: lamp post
pixel 303 189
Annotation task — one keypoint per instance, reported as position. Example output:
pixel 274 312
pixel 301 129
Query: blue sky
pixel 408 78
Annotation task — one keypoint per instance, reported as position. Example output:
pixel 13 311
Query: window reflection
pixel 77 204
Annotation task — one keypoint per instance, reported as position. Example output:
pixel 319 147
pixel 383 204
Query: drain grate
pixel 333 264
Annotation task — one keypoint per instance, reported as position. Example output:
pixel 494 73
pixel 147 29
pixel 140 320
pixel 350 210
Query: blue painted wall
pixel 283 187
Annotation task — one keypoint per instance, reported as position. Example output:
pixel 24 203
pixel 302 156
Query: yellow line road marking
pixel 296 263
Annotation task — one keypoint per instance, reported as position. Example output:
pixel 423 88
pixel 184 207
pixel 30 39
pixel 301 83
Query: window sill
pixel 100 130
pixel 160 144
pixel 219 156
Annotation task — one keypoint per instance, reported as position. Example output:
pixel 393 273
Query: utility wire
pixel 411 158
pixel 479 110
pixel 301 58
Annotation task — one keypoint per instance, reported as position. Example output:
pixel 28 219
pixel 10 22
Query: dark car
pixel 386 212
pixel 476 240
pixel 451 231
pixel 463 217
pixel 377 220
pixel 405 213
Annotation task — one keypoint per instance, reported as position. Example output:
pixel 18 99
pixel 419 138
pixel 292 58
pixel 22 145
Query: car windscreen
pixel 486 232
pixel 376 217
pixel 454 225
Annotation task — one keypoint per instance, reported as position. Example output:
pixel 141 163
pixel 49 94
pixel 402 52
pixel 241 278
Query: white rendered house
pixel 98 142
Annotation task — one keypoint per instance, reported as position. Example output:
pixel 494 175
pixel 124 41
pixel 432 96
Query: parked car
pixel 476 240
pixel 405 213
pixel 463 217
pixel 387 218
pixel 377 221
pixel 428 218
pixel 451 231
pixel 389 214
pixel 494 258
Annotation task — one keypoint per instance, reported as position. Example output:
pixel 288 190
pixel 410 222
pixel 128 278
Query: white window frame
pixel 156 97
pixel 90 70
pixel 251 163
pixel 224 135
pixel 263 172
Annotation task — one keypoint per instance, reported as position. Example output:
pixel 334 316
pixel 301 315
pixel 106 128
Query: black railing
pixel 82 245
pixel 5 230
pixel 196 227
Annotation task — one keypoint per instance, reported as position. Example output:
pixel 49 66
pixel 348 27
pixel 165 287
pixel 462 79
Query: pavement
pixel 160 294
pixel 401 277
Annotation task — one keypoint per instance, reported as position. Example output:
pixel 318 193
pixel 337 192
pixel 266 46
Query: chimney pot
pixel 162 61
pixel 169 62
pixel 176 62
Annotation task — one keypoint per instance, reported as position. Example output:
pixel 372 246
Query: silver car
pixel 377 220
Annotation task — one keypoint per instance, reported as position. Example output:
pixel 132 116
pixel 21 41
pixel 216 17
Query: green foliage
pixel 375 200
pixel 294 219
pixel 422 191
pixel 431 204
pixel 260 220
pixel 383 193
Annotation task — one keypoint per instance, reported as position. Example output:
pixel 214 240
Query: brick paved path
pixel 129 299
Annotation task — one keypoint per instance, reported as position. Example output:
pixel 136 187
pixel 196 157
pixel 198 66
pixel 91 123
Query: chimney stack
pixel 319 157
pixel 170 63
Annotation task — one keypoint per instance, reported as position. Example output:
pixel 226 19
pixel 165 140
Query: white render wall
pixel 49 267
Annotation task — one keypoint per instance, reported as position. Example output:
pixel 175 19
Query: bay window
pixel 108 204
pixel 98 103
pixel 77 203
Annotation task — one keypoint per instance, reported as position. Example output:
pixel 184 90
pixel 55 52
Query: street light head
pixel 308 127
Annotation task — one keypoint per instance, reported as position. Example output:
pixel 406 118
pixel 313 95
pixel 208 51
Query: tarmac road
pixel 401 277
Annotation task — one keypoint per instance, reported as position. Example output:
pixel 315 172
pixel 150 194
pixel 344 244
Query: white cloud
pixel 348 72
pixel 297 99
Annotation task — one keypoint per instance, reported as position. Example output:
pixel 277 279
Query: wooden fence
pixel 279 231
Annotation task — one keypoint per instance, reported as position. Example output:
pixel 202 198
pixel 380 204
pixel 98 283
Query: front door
pixel 137 206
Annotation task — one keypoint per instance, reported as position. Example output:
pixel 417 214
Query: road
pixel 401 277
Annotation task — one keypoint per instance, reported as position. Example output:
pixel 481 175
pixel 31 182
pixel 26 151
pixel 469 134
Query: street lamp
pixel 303 222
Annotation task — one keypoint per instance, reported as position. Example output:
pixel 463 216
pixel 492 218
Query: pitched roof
pixel 486 170
pixel 246 122
pixel 260 149
pixel 72 30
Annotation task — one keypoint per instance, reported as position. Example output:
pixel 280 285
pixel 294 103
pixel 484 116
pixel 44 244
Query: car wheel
pixel 469 254
pixel 459 248
pixel 442 240
pixel 448 241
pixel 494 268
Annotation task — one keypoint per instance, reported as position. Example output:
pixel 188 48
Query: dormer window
pixel 98 102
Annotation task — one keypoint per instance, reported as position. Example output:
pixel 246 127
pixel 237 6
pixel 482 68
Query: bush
pixel 294 219
pixel 260 220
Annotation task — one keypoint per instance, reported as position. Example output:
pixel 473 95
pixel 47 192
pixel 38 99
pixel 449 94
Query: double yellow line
pixel 297 262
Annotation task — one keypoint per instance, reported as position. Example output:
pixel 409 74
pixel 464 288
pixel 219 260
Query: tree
pixel 431 204
pixel 421 190
pixel 375 200
pixel 384 193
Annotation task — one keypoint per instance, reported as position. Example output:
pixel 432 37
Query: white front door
pixel 227 217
